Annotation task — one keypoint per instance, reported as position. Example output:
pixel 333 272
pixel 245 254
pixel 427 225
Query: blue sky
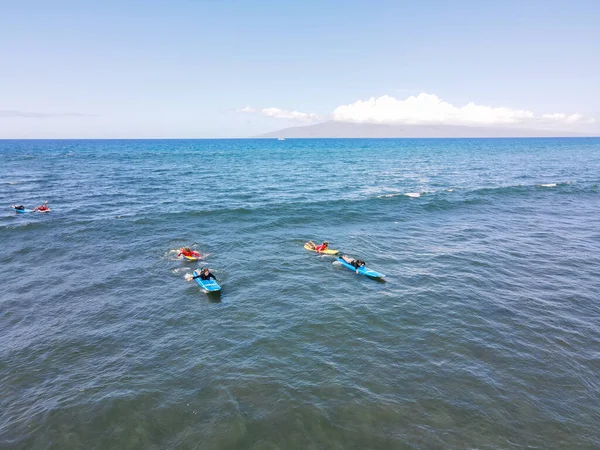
pixel 185 68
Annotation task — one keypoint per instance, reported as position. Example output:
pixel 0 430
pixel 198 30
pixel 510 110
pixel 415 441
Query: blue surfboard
pixel 208 285
pixel 361 270
pixel 22 210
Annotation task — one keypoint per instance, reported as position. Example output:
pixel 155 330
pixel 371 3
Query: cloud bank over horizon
pixel 428 109
pixel 283 114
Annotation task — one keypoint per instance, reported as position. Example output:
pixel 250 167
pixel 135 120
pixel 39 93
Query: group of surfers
pixel 356 263
pixel 204 273
pixel 42 208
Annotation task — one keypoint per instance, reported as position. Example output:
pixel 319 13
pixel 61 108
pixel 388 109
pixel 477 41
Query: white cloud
pixel 426 108
pixel 561 117
pixel 247 109
pixel 283 114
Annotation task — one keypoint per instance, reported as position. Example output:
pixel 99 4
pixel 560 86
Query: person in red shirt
pixel 42 208
pixel 186 251
pixel 318 248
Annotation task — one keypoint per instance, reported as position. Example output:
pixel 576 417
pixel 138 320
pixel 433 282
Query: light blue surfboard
pixel 208 285
pixel 361 270
pixel 22 211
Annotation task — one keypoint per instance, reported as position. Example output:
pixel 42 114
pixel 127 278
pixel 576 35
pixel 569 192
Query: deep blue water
pixel 486 333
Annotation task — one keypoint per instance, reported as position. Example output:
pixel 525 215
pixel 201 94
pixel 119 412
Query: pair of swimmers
pixel 356 263
pixel 205 273
pixel 41 208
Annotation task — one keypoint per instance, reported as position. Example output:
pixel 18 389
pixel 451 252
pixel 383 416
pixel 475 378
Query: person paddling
pixel 186 251
pixel 318 248
pixel 204 274
pixel 42 208
pixel 356 263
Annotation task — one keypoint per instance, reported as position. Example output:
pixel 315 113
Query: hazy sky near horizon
pixel 213 68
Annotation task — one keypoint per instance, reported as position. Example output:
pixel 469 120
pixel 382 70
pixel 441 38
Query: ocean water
pixel 485 333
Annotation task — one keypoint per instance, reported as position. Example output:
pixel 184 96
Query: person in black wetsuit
pixel 356 263
pixel 205 274
pixel 19 207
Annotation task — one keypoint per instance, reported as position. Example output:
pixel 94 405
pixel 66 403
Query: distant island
pixel 334 129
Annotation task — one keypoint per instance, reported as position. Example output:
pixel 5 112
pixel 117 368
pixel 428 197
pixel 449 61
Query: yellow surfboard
pixel 324 252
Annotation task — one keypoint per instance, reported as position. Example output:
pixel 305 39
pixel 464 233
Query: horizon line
pixel 285 138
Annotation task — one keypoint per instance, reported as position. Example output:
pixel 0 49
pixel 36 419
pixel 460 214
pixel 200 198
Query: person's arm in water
pixel 354 263
pixel 197 276
pixel 205 276
pixel 359 264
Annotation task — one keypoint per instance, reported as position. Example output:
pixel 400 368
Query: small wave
pixel 17 226
pixel 547 185
pixel 172 255
pixel 405 194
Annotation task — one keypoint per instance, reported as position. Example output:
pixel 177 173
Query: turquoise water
pixel 485 334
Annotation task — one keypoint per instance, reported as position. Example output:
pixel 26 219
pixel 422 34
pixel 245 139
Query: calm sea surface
pixel 486 333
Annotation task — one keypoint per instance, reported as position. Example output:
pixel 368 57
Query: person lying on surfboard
pixel 356 263
pixel 318 248
pixel 186 251
pixel 205 274
pixel 42 208
pixel 18 207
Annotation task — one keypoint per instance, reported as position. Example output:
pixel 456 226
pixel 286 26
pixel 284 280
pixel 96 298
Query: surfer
pixel 356 263
pixel 205 274
pixel 318 248
pixel 42 208
pixel 18 207
pixel 186 251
